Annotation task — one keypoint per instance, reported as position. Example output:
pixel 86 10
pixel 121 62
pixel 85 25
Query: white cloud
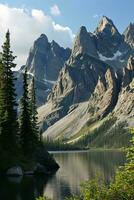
pixel 26 25
pixel 54 10
pixel 38 15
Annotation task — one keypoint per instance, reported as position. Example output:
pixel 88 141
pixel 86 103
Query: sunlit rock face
pixel 129 35
pixel 46 59
pixel 92 80
pixel 87 88
pixel 106 43
pixel 125 104
pixel 84 43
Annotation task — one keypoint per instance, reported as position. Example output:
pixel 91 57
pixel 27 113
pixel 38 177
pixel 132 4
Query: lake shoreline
pixel 75 167
pixel 87 150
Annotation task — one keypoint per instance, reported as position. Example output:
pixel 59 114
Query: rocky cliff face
pixel 125 104
pixel 108 38
pixel 90 82
pixel 86 90
pixel 83 79
pixel 44 62
pixel 106 43
pixel 84 43
pixel 46 58
pixel 129 35
pixel 90 86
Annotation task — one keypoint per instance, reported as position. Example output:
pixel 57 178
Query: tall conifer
pixel 8 110
pixel 34 113
pixel 27 128
pixel 25 120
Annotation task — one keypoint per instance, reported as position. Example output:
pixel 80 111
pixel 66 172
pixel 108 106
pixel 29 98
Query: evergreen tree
pixel 34 113
pixel 2 105
pixel 8 110
pixel 27 135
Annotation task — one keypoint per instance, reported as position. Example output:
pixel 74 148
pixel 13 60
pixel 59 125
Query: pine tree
pixel 27 134
pixel 2 105
pixel 8 110
pixel 34 113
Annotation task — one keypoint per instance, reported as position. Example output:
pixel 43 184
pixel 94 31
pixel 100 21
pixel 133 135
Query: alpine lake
pixel 75 167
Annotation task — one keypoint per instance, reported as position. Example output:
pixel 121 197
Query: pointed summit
pixel 129 34
pixel 108 38
pixel 84 43
pixel 106 26
pixel 41 41
pixel 82 30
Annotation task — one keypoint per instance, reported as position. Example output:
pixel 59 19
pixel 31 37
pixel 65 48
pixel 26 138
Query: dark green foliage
pixel 33 110
pixel 28 138
pixel 58 145
pixel 18 146
pixel 45 159
pixel 8 112
pixel 29 133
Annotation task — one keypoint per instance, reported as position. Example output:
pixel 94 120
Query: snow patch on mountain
pixel 116 55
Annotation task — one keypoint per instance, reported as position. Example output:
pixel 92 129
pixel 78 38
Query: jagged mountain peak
pixel 41 44
pixel 44 62
pixel 129 34
pixel 54 45
pixel 84 43
pixel 43 36
pixel 129 28
pixel 106 25
pixel 82 30
pixel 105 20
pixel 42 39
pixel 108 39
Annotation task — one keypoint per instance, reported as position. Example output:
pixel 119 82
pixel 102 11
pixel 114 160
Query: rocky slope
pixel 96 81
pixel 72 105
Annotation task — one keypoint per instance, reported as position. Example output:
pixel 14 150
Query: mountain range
pixel 86 85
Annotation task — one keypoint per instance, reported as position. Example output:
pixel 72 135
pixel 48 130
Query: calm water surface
pixel 75 167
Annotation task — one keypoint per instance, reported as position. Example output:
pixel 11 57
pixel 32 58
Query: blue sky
pixel 75 13
pixel 58 19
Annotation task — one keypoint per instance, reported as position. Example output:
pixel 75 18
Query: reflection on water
pixel 75 168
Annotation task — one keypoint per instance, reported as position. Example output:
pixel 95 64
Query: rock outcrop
pixel 15 171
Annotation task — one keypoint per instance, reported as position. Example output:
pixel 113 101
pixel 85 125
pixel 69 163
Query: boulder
pixel 15 171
